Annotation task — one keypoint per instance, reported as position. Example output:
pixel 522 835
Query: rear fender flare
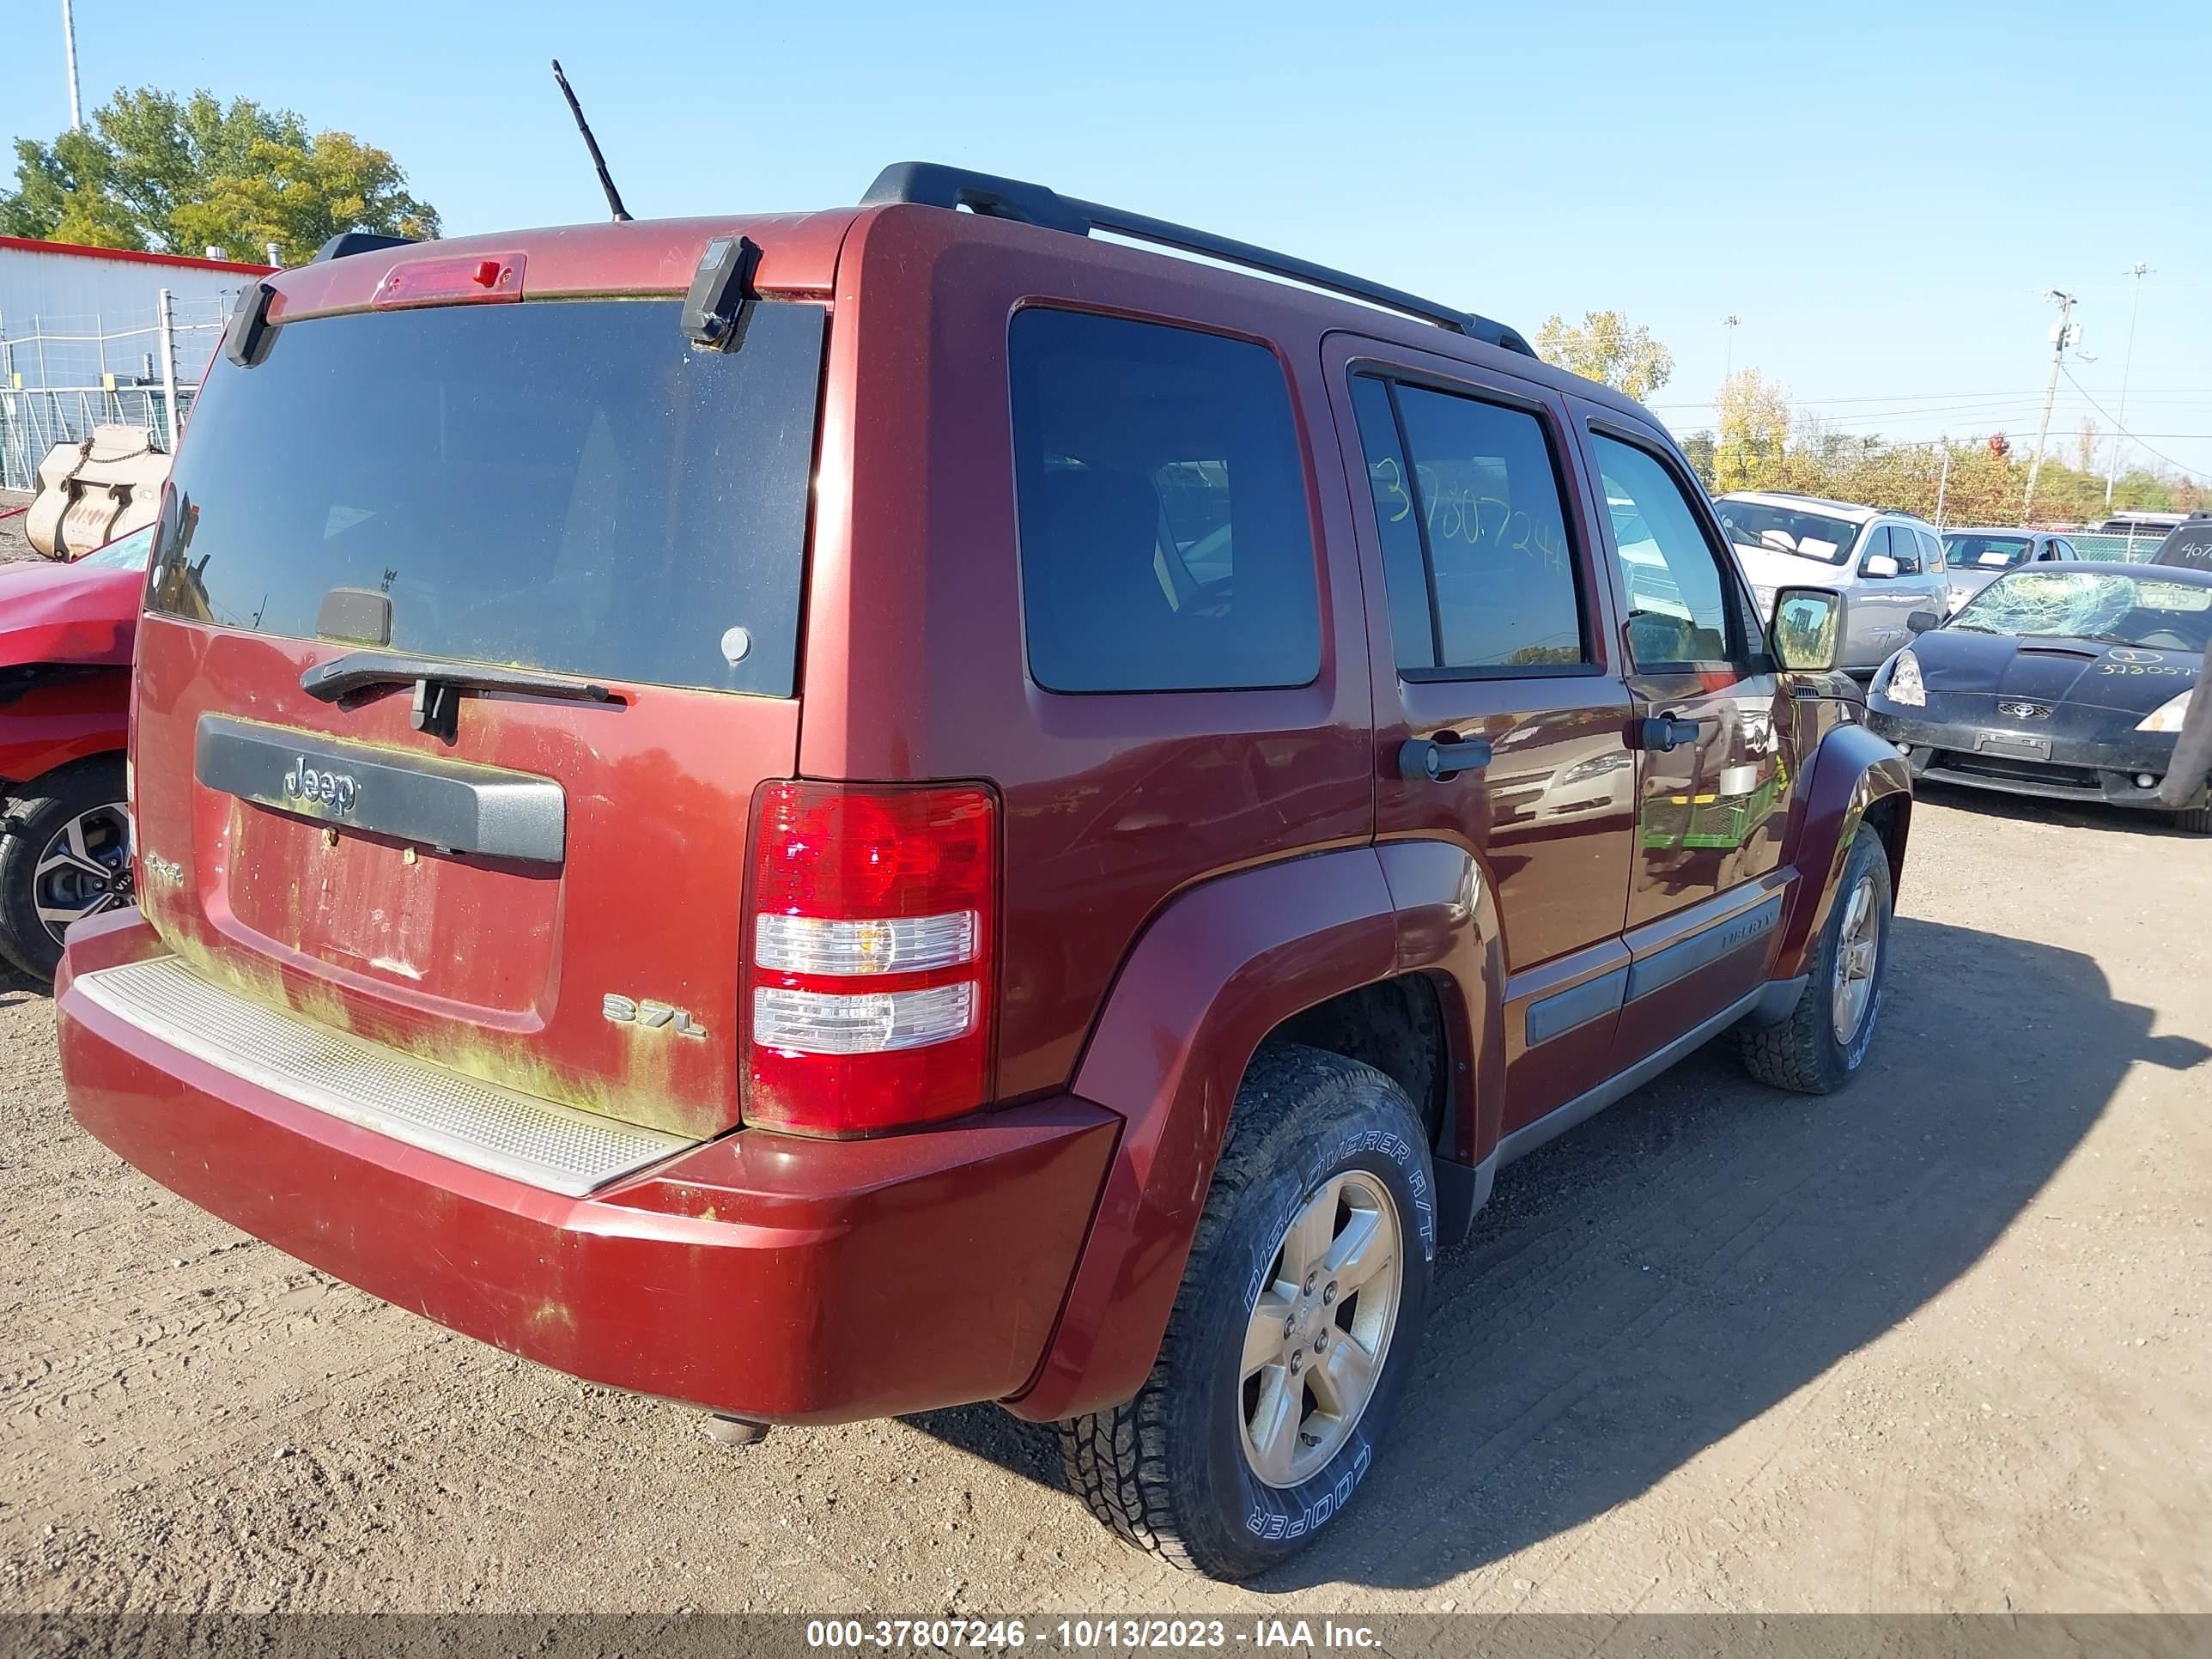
pixel 1448 928
pixel 1852 771
pixel 1213 974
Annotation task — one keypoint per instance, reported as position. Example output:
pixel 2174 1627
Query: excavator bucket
pixel 95 490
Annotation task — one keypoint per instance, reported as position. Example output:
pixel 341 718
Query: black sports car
pixel 2061 680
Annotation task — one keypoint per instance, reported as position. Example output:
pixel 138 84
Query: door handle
pixel 1432 760
pixel 1662 734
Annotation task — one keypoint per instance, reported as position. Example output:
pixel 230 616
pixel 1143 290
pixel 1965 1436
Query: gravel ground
pixel 1938 1343
pixel 12 543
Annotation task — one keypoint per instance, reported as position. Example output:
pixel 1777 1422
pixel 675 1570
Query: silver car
pixel 1888 565
pixel 1974 558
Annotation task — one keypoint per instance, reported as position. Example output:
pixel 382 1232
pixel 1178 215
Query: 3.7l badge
pixel 654 1016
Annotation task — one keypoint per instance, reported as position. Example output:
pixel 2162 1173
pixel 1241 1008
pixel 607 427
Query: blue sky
pixel 1881 192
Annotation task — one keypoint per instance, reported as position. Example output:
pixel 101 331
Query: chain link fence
pixel 2133 550
pixel 62 376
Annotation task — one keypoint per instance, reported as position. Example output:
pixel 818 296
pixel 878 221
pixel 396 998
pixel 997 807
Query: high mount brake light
pixel 871 956
pixel 471 279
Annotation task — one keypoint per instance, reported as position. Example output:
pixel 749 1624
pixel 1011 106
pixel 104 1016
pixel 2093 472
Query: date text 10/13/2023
pixel 1083 1635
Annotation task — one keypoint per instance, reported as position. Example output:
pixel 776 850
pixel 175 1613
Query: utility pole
pixel 169 337
pixel 1729 323
pixel 68 51
pixel 2138 271
pixel 2063 333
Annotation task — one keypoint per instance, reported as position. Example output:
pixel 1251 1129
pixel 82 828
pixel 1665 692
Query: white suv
pixel 1888 565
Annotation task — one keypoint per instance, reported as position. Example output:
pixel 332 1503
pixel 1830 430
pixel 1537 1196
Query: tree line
pixel 1760 440
pixel 163 175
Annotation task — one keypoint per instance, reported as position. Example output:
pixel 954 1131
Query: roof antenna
pixel 606 184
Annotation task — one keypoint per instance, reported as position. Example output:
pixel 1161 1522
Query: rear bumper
pixel 781 1278
pixel 2079 768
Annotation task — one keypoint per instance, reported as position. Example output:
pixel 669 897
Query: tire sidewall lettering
pixel 1283 1515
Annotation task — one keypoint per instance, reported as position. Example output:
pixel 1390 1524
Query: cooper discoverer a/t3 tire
pixel 1824 1040
pixel 1302 1304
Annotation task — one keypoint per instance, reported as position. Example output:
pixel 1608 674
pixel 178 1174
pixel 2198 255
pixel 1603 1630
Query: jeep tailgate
pixel 543 890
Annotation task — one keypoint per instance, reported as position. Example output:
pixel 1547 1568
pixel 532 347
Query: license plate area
pixel 2011 748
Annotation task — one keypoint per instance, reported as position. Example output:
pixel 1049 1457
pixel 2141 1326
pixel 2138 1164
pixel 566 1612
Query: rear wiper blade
pixel 357 671
pixel 438 684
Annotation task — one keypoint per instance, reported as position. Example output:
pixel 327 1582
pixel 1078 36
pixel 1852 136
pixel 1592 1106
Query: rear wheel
pixel 1302 1303
pixel 1824 1041
pixel 66 855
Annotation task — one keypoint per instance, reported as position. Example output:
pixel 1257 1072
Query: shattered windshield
pixel 2107 606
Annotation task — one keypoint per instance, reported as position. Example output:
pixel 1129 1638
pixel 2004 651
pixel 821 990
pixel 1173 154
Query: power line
pixel 2133 437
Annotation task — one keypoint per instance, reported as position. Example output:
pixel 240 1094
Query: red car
pixel 833 815
pixel 65 639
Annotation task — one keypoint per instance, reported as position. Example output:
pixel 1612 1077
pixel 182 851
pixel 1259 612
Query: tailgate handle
pixel 451 806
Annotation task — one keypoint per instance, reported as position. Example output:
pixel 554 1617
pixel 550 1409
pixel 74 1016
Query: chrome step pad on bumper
pixel 489 1127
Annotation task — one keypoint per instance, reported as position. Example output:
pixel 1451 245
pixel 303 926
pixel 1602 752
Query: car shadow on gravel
pixel 1649 1282
pixel 16 987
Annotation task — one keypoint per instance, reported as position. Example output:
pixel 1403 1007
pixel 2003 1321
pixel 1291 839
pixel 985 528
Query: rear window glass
pixel 1986 552
pixel 2190 545
pixel 565 484
pixel 1166 543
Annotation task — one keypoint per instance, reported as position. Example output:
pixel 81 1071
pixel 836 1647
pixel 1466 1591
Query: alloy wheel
pixel 1314 1347
pixel 1858 951
pixel 83 869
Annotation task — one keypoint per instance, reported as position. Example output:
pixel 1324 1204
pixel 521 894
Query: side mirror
pixel 1807 634
pixel 1921 621
pixel 1880 566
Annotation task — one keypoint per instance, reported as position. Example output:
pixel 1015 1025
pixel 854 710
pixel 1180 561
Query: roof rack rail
pixel 931 184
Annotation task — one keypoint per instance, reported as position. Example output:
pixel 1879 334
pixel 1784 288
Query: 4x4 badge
pixel 654 1016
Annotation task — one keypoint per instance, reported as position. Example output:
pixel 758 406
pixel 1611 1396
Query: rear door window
pixel 558 485
pixel 1475 554
pixel 1166 535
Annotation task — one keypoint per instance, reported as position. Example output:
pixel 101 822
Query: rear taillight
pixel 870 959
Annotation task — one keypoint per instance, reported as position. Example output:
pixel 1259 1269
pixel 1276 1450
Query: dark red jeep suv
pixel 832 815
